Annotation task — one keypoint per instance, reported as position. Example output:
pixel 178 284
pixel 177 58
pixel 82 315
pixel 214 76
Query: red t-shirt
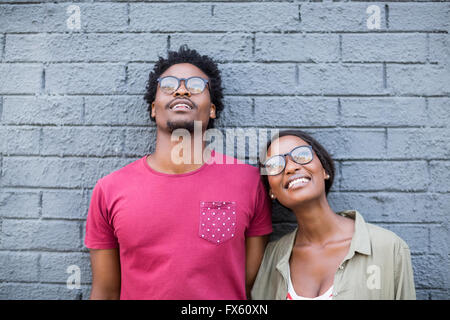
pixel 180 236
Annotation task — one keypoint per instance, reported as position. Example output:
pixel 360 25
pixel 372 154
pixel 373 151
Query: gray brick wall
pixel 71 111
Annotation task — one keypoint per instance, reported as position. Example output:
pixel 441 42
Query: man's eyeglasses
pixel 276 164
pixel 194 85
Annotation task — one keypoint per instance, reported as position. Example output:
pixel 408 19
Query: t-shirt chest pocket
pixel 217 221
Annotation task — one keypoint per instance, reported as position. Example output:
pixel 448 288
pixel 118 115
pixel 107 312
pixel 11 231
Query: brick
pixel 77 141
pixel 116 110
pixel 43 235
pixel 237 112
pixel 419 16
pixel 296 111
pixel 439 238
pixel 312 79
pixel 415 236
pixel 39 291
pixel 139 141
pixel 252 17
pixel 84 47
pixel 342 79
pixel 66 204
pixel 98 168
pixel 418 79
pixel 54 267
pixel 137 77
pixel 440 176
pixel 42 110
pixel 53 17
pixel 439 111
pixel 20 78
pixel 418 143
pixel 439 47
pixel 442 294
pixel 221 47
pixel 57 172
pixel 384 47
pixel 297 47
pixel 19 204
pixel 430 271
pixel 383 175
pixel 383 112
pixel 42 172
pixel 92 78
pixel 392 206
pixel 19 266
pixel 352 143
pixel 337 16
pixel 422 294
pixel 19 140
pixel 251 78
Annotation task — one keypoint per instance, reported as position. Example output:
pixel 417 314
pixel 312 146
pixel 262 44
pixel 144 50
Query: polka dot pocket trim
pixel 217 221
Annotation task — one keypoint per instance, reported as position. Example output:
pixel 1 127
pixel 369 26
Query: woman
pixel 328 255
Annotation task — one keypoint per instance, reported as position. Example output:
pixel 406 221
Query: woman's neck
pixel 318 225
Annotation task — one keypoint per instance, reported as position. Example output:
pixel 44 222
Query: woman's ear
pixel 272 196
pixel 212 112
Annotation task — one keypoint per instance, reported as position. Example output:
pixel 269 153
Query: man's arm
pixel 105 264
pixel 255 247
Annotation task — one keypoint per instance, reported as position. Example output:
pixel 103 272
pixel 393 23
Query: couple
pixel 192 231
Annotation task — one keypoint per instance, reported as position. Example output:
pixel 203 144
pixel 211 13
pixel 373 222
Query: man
pixel 161 229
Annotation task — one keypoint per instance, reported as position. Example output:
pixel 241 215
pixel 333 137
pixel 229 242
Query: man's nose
pixel 182 91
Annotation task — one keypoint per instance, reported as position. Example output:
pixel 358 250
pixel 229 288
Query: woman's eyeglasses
pixel 276 164
pixel 194 85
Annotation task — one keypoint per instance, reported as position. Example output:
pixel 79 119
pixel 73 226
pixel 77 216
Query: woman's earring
pixel 272 196
pixel 327 177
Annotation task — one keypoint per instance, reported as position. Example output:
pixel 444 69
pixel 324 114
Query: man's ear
pixel 212 112
pixel 153 114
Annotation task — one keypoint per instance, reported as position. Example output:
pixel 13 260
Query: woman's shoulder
pixel 281 245
pixel 384 238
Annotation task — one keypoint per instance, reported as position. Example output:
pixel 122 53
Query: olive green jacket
pixel 377 266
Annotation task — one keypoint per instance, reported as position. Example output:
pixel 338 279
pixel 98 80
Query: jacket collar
pixel 360 242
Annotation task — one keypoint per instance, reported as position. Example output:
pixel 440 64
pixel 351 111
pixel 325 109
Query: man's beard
pixel 188 125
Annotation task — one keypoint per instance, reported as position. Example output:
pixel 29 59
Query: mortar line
pixel 128 14
pixel 253 43
pixel 3 47
pixel 386 15
pixel 1 109
pixel 168 43
pixel 83 110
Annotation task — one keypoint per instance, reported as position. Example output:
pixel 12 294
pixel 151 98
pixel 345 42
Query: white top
pixel 291 295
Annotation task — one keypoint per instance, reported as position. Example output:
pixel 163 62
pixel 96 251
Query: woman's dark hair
pixel 186 55
pixel 324 157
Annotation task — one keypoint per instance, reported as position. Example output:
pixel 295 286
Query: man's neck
pixel 179 156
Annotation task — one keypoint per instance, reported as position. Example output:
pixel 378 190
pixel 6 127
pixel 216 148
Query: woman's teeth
pixel 297 182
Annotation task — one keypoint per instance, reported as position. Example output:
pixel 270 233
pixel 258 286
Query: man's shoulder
pixel 124 171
